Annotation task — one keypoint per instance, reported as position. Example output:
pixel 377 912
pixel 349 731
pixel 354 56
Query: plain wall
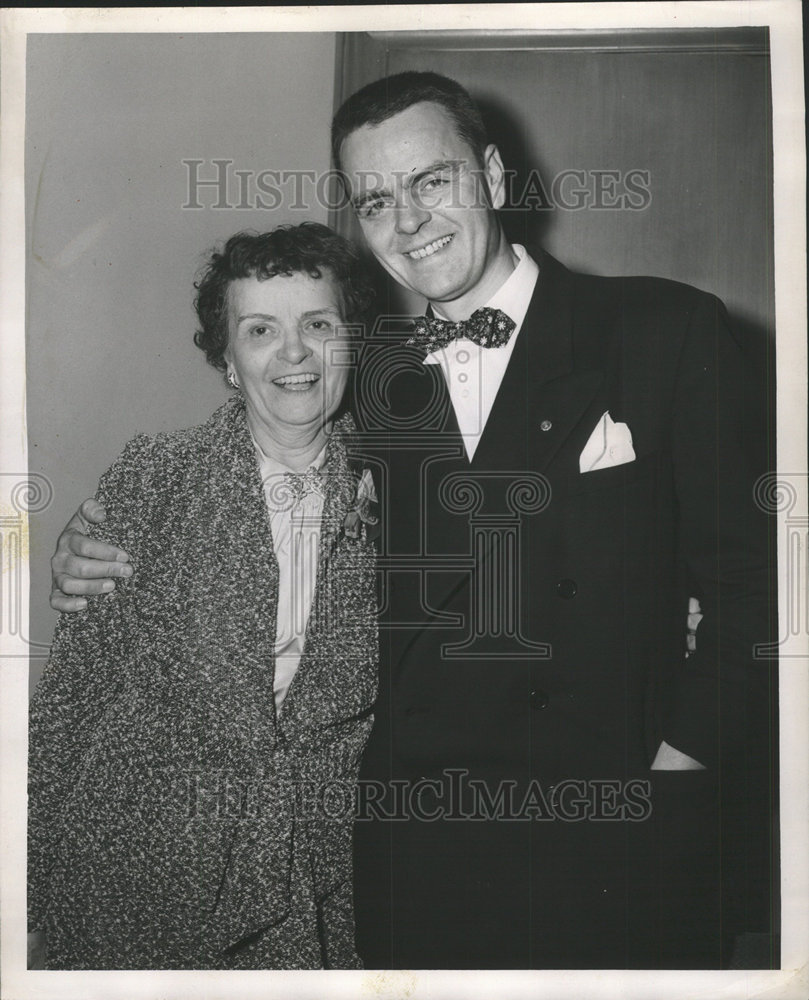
pixel 112 253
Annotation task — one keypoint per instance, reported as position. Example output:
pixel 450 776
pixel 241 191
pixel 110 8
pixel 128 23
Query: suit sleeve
pixel 721 541
pixel 81 681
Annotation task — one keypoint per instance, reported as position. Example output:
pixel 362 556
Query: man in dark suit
pixel 563 466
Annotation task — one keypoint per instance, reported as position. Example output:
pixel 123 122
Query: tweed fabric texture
pixel 176 820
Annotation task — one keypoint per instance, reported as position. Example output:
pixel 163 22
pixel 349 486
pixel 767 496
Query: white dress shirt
pixel 474 373
pixel 295 530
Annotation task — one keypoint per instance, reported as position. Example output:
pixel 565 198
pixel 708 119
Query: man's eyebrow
pixel 409 180
pixel 372 195
pixel 433 168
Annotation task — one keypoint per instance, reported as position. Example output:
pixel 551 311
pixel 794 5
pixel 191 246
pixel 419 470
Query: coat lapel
pixel 559 385
pixel 341 490
pixel 238 611
pixel 541 402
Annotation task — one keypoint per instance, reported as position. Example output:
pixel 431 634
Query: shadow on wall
pixel 530 222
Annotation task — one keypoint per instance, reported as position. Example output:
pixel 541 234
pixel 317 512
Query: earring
pixel 232 380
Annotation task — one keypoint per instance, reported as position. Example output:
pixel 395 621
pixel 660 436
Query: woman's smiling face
pixel 283 345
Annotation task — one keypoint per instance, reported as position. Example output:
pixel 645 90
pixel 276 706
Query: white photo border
pixel 784 20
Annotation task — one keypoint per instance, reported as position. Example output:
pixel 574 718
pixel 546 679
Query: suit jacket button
pixel 539 699
pixel 567 589
pixel 545 425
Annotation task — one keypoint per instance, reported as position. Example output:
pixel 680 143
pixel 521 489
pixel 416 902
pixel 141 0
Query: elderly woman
pixel 195 738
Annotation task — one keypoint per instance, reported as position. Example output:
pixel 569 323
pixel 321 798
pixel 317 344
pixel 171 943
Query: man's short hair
pixel 382 99
pixel 309 248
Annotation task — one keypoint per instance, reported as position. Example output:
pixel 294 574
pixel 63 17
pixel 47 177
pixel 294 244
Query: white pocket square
pixel 610 444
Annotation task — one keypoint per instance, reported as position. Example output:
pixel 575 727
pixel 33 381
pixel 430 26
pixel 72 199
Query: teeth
pixel 296 379
pixel 430 249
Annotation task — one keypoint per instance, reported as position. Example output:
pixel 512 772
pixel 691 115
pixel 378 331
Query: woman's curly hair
pixel 309 248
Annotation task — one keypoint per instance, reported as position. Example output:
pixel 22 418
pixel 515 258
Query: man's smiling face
pixel 427 207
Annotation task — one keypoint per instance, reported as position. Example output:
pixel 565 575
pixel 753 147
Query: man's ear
pixel 495 175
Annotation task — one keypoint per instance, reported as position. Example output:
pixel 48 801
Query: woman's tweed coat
pixel 175 821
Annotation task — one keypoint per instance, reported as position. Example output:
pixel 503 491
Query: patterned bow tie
pixel 486 327
pixel 302 484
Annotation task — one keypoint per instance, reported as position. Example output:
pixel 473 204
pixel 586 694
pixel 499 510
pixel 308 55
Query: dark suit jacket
pixel 565 658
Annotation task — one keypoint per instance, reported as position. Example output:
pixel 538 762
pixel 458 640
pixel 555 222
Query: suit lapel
pixel 559 385
pixel 540 405
pixel 546 388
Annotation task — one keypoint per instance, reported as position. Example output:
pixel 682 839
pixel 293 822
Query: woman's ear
pixel 230 371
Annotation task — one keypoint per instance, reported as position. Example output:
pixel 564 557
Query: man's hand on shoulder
pixel 83 566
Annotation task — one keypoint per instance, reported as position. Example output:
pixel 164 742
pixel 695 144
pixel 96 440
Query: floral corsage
pixel 362 519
